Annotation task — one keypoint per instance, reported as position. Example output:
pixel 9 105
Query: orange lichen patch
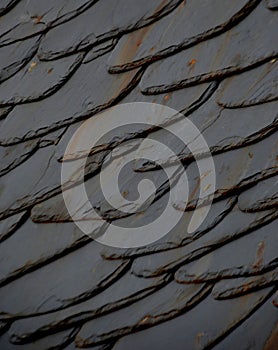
pixel 32 66
pixel 166 97
pixel 192 62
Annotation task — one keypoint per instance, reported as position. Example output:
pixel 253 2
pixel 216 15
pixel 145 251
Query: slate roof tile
pixel 235 287
pixel 23 86
pixel 233 226
pixel 235 260
pixel 263 322
pixel 29 18
pixel 98 24
pixel 259 85
pixel 242 47
pixel 66 107
pixel 125 291
pixel 161 306
pixel 69 280
pixel 54 341
pixel 187 25
pixel 195 328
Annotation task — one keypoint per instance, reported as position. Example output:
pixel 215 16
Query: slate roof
pixel 62 62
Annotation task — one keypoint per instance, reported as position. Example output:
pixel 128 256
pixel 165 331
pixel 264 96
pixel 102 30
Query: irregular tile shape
pixel 246 256
pixel 199 328
pixel 6 5
pixel 223 130
pixel 191 22
pixel 262 196
pixel 123 292
pixel 39 244
pixel 105 20
pixel 230 288
pixel 55 341
pixel 38 80
pixel 185 101
pixel 233 226
pixel 237 169
pixel 258 332
pixel 14 57
pixel 167 303
pixel 71 279
pixel 258 85
pixel 11 224
pixel 176 237
pixel 97 89
pixel 13 156
pixel 272 4
pixel 23 187
pixel 247 44
pixel 31 17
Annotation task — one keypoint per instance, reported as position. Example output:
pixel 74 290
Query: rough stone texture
pixel 62 62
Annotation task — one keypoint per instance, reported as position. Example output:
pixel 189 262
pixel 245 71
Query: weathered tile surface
pixel 245 45
pixel 192 22
pixel 99 23
pixel 234 259
pixel 64 62
pixel 259 85
pixel 196 329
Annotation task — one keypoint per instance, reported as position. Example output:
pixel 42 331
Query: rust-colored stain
pixel 32 66
pixel 192 62
pixel 272 341
pixel 259 255
pixel 166 97
pixel 199 338
pixel 131 45
pixel 50 70
pixel 250 155
pixel 37 19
